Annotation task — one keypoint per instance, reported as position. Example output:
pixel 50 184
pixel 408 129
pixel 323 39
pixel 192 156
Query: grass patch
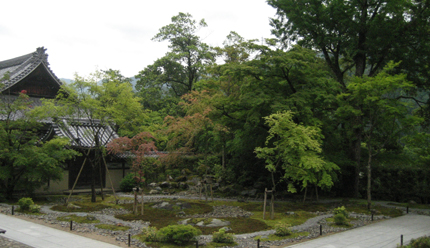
pixel 79 219
pixel 167 245
pixel 206 221
pixel 330 221
pixel 392 212
pixel 113 227
pixel 298 218
pixel 282 207
pixel 273 237
pixel 160 217
pixel 418 206
pixel 157 217
pixel 213 244
pixel 85 205
pixel 81 207
pixel 362 209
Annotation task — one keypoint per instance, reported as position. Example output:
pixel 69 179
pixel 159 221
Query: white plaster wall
pixel 56 187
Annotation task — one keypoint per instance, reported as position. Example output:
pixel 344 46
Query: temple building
pixel 31 74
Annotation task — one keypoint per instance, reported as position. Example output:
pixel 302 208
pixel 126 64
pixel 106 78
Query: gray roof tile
pixel 22 66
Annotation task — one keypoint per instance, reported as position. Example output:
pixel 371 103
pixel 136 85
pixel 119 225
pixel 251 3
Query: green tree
pixel 27 162
pixel 357 38
pixel 385 114
pixel 256 81
pixel 176 73
pixel 103 99
pixel 296 150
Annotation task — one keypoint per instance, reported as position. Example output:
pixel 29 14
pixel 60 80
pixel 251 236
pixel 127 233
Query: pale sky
pixel 85 35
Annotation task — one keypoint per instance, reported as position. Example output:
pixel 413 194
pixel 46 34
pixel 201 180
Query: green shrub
pixel 340 210
pixel 178 234
pixel 340 219
pixel 25 203
pixel 149 234
pixel 128 183
pixel 222 237
pixel 283 229
pixel 34 208
pixel 421 242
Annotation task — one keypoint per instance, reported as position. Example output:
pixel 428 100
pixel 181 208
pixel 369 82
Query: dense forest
pixel 337 101
pixel 336 104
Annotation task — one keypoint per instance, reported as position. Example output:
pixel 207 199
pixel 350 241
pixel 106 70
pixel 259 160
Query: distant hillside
pixel 133 81
pixel 67 81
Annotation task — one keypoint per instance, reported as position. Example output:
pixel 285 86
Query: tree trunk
pixel 99 164
pixel 93 183
pixel 369 179
pixel 304 197
pixel 357 158
pixel 316 191
pixel 9 190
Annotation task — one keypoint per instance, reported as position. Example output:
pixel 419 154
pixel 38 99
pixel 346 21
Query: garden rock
pixel 213 223
pixel 163 205
pixel 250 192
pixel 183 185
pixel 153 192
pixel 165 184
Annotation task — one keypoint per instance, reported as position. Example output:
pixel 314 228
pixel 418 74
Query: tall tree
pixel 256 81
pixel 176 73
pixel 296 150
pixel 385 114
pixel 27 162
pixel 357 38
pixel 103 99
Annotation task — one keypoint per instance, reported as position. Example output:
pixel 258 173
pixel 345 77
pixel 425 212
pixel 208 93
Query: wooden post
pixel 206 192
pixel 212 193
pixel 76 181
pixel 200 190
pixel 264 204
pixel 135 201
pixel 272 210
pixel 141 211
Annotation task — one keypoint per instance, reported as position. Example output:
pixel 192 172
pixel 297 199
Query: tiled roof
pixel 83 132
pixel 22 66
pixel 32 101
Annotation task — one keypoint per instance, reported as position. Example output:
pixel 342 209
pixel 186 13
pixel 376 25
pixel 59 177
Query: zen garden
pixel 250 144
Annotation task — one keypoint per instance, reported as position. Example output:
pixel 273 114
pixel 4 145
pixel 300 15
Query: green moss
pixel 157 217
pixel 274 237
pixel 206 221
pixel 78 219
pixel 213 244
pixel 298 218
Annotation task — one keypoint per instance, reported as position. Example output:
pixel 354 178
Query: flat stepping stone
pixel 213 223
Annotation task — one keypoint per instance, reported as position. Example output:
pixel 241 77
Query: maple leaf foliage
pixel 141 146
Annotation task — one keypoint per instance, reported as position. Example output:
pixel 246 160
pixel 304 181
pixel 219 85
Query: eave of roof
pixel 20 67
pixel 83 133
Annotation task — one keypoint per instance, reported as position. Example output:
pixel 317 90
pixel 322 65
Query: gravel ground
pixel 5 242
pixel 106 216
